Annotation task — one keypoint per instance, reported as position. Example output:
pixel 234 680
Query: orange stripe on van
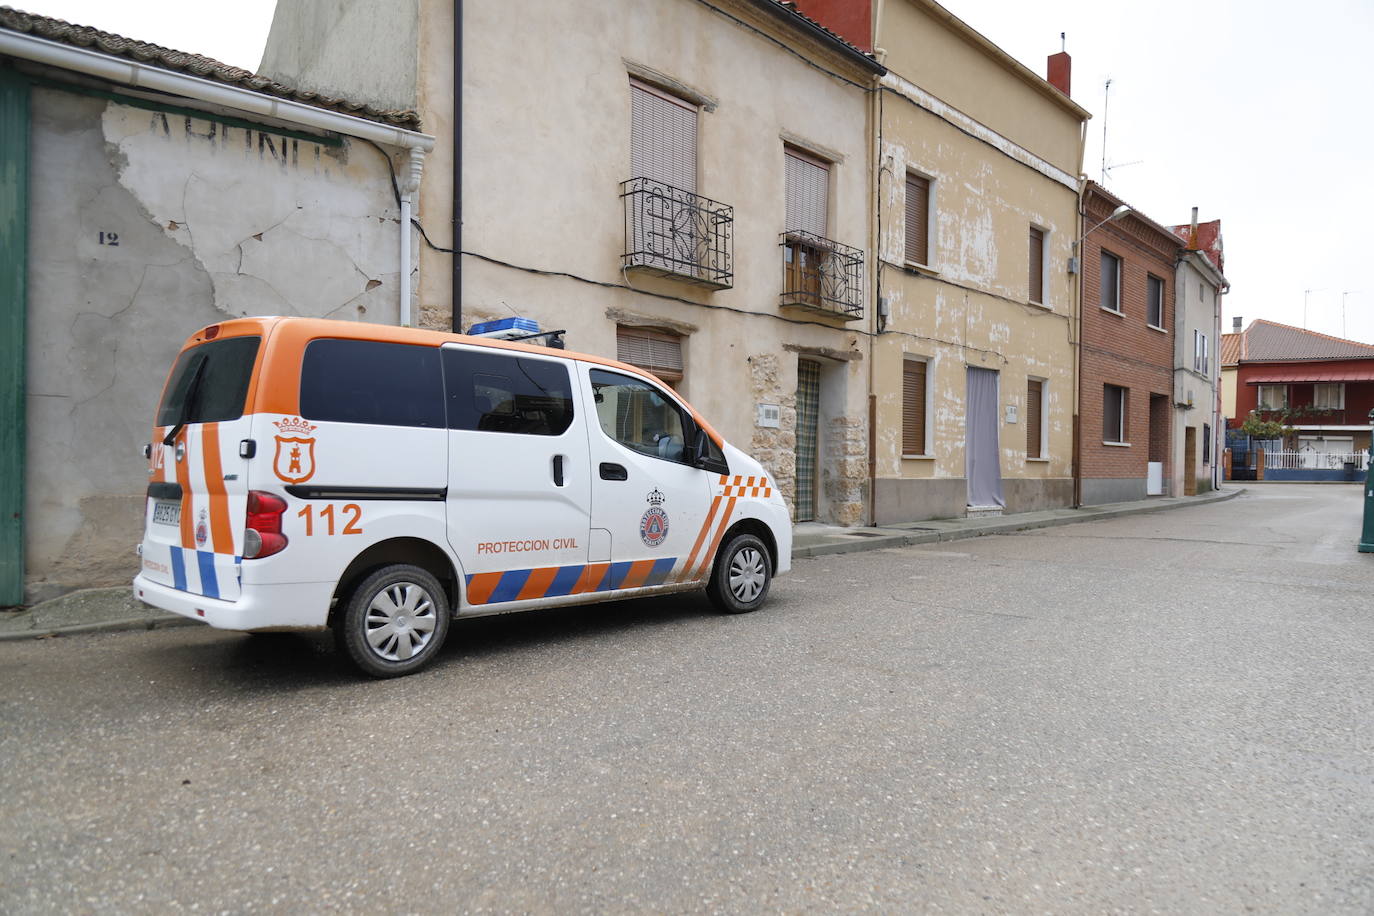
pixel 220 529
pixel 481 585
pixel 701 539
pixel 188 521
pixel 709 557
pixel 639 571
pixel 537 585
pixel 591 577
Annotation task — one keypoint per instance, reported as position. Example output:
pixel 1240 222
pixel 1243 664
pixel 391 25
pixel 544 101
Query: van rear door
pixel 197 490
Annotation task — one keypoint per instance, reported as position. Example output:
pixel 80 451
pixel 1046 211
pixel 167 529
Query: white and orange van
pixel 377 480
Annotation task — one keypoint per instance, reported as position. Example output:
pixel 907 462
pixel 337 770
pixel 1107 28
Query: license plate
pixel 166 513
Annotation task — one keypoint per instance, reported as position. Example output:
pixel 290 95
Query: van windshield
pixel 217 374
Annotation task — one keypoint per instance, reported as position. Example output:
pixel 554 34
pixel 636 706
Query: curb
pixel 103 626
pixel 1010 525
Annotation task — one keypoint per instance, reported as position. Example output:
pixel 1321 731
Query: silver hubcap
pixel 400 621
pixel 747 572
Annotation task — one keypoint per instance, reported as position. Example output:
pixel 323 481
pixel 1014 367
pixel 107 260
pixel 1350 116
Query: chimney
pixel 1235 324
pixel 1192 235
pixel 1058 69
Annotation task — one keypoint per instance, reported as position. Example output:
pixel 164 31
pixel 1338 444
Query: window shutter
pixel 1034 406
pixel 913 408
pixel 1037 265
pixel 917 219
pixel 663 138
pixel 808 193
pixel 655 351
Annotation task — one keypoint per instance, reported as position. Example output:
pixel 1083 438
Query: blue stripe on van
pixel 509 586
pixel 209 584
pixel 614 576
pixel 659 573
pixel 178 570
pixel 564 581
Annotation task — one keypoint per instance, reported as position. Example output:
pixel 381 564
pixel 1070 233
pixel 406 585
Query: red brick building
pixel 1126 355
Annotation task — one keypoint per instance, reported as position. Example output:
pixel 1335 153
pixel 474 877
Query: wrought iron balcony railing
pixel 672 232
pixel 821 275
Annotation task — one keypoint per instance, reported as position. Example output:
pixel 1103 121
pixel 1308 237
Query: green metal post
pixel 14 262
pixel 1367 538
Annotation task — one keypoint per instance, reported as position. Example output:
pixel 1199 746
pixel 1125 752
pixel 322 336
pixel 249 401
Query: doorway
pixel 982 461
pixel 1190 461
pixel 808 446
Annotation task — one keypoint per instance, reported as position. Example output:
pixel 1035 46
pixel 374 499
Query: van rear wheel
pixel 743 571
pixel 395 621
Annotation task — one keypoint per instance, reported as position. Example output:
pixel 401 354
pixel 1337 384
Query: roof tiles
pixel 1269 341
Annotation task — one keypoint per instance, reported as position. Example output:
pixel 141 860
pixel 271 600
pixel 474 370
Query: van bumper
pixel 297 606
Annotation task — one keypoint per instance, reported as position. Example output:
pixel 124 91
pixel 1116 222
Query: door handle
pixel 611 471
pixel 558 470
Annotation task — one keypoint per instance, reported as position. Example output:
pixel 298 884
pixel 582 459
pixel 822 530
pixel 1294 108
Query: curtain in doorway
pixel 808 421
pixel 981 461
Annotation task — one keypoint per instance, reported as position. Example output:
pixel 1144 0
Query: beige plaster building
pixel 1198 434
pixel 977 215
pixel 682 184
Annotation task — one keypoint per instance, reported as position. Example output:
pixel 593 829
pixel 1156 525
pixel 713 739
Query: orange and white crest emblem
pixel 295 458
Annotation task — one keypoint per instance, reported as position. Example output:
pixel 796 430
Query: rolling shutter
pixel 663 138
pixel 808 193
pixel 1035 391
pixel 1037 265
pixel 655 351
pixel 913 407
pixel 917 219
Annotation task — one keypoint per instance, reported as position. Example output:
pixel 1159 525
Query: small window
pixel 807 192
pixel 1037 265
pixel 1201 357
pixel 1273 397
pixel 1154 301
pixel 917 219
pixel 653 351
pixel 639 416
pixel 220 371
pixel 495 392
pixel 1114 402
pixel 1207 443
pixel 1035 425
pixel 913 407
pixel 1109 283
pixel 1329 396
pixel 367 381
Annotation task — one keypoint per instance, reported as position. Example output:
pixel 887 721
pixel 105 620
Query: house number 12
pixel 109 238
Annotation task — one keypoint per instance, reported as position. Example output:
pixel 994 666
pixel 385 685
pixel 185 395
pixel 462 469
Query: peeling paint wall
pixel 145 226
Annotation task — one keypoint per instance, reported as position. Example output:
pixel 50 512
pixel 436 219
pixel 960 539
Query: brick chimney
pixel 1058 69
pixel 1235 323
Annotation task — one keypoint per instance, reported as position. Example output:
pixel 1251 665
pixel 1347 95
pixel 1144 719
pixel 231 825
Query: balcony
pixel 670 232
pixel 822 276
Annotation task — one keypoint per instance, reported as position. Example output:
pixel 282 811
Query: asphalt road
pixel 1171 712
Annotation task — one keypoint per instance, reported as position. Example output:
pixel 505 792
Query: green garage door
pixel 14 211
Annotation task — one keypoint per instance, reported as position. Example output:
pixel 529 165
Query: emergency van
pixel 307 473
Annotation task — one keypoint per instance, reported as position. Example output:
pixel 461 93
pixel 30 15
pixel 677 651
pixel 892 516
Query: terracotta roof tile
pixel 192 64
pixel 792 7
pixel 1230 349
pixel 1208 241
pixel 1269 341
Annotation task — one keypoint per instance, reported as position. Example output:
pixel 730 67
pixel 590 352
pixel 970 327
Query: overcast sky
pixel 1255 111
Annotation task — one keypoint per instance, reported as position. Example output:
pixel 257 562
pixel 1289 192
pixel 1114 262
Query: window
pixel 1201 358
pixel 807 201
pixel 639 416
pixel 917 219
pixel 663 137
pixel 1206 443
pixel 1109 282
pixel 1035 426
pixel 1273 397
pixel 220 372
pixel 913 407
pixel 494 392
pixel 1154 301
pixel 367 381
pixel 653 351
pixel 1037 265
pixel 1329 396
pixel 1114 403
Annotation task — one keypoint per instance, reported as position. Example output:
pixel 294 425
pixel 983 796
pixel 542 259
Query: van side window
pixel 368 381
pixel 638 415
pixel 497 392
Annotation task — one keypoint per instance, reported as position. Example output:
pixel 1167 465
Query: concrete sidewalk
pixel 108 609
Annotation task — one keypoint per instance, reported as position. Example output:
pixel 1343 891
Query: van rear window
pixel 216 374
pixel 367 381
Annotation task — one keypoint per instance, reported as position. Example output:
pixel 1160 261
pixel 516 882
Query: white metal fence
pixel 1310 458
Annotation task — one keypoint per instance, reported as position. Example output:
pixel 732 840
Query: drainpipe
pixel 457 279
pixel 409 185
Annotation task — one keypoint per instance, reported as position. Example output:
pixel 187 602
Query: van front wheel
pixel 743 571
pixel 394 622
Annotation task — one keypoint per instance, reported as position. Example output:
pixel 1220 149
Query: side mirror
pixel 698 447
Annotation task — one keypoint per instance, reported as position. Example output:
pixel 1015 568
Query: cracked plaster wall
pixel 143 228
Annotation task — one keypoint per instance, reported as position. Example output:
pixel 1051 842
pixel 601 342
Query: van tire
pixel 394 622
pixel 743 571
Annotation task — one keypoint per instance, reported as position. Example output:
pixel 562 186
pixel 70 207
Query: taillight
pixel 262 536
